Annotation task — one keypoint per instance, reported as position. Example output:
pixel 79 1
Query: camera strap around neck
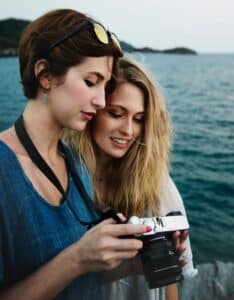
pixel 35 156
pixel 48 172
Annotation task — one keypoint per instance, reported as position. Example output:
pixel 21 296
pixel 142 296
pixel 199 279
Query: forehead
pixel 100 65
pixel 128 96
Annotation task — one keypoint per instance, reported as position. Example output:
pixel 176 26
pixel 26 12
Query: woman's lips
pixel 87 115
pixel 119 142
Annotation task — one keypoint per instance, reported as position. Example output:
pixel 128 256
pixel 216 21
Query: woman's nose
pixel 127 127
pixel 99 100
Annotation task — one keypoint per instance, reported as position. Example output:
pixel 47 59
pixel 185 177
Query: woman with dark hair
pixel 67 62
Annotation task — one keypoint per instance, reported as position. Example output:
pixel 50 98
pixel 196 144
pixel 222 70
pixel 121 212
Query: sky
pixel 206 26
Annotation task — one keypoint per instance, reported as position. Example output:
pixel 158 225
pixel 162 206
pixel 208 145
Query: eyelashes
pixel 114 114
pixel 117 115
pixel 89 83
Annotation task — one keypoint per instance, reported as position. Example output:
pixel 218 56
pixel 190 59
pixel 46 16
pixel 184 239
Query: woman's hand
pixel 106 245
pixel 179 238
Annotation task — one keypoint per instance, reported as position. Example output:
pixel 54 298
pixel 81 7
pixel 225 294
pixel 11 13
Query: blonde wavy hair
pixel 136 179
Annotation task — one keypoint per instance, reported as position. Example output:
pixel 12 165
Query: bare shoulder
pixel 7 135
pixel 10 139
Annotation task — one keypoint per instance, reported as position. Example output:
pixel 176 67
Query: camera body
pixel 160 261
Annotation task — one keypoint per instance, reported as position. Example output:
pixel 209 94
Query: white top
pixel 171 200
pixel 134 286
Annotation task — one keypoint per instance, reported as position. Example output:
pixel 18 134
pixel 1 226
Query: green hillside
pixel 10 32
pixel 11 29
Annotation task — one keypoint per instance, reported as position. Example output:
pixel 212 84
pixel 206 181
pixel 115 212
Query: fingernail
pixel 148 228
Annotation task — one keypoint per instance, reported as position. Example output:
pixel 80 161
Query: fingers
pixel 183 262
pixel 176 239
pixel 118 244
pixel 180 249
pixel 112 221
pixel 106 221
pixel 184 235
pixel 109 235
pixel 110 227
pixel 105 247
pixel 118 230
pixel 179 237
pixel 122 217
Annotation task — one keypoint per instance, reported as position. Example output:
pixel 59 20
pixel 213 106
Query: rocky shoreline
pixel 214 281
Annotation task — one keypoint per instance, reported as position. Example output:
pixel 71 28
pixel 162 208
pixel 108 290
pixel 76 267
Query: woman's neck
pixel 103 165
pixel 41 127
pixel 103 172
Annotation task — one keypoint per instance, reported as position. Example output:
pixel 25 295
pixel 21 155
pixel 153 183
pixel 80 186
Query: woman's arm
pixel 172 292
pixel 98 250
pixel 47 281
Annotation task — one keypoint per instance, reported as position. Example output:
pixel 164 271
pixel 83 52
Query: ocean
pixel 199 93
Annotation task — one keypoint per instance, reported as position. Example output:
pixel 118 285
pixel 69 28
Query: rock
pixel 214 281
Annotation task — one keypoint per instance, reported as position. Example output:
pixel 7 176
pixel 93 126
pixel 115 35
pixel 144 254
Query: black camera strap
pixel 103 214
pixel 35 155
pixel 70 163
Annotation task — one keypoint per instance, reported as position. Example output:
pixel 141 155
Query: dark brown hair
pixel 43 32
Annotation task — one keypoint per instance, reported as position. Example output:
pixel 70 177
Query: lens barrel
pixel 160 261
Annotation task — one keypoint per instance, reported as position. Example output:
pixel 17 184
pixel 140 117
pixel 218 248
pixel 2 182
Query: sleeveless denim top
pixel 32 231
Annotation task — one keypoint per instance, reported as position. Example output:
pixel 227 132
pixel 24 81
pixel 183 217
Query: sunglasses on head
pixel 101 34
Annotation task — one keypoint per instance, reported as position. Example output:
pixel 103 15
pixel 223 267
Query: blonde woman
pixel 126 148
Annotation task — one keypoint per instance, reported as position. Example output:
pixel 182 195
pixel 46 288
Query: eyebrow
pixel 122 107
pixel 99 75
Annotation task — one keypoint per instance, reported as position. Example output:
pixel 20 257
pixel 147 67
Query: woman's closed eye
pixel 90 83
pixel 115 114
pixel 139 119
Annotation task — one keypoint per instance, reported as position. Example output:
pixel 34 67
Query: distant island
pixel 11 29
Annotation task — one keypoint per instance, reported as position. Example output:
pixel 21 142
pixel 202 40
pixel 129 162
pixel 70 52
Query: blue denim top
pixel 32 231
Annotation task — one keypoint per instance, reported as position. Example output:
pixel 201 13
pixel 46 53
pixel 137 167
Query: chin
pixel 79 126
pixel 116 154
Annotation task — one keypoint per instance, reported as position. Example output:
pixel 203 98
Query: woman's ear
pixel 42 73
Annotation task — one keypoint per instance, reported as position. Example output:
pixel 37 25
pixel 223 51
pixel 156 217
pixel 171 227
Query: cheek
pixel 101 128
pixel 98 131
pixel 69 99
pixel 76 92
pixel 138 130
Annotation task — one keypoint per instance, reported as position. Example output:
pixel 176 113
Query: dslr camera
pixel 161 265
